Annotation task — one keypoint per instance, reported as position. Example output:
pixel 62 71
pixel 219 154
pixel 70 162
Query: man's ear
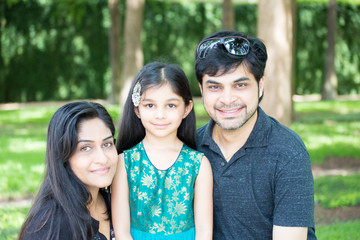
pixel 201 89
pixel 136 110
pixel 188 108
pixel 261 86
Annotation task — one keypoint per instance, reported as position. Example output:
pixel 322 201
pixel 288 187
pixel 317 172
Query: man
pixel 263 184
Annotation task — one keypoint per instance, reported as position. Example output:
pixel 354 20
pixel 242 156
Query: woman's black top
pixel 33 231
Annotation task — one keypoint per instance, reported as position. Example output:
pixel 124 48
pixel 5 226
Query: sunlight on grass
pixel 11 219
pixel 337 191
pixel 329 129
pixel 28 115
pixel 340 231
pixel 335 107
pixel 29 145
pixel 17 179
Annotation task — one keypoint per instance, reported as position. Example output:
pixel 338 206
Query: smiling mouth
pixel 101 171
pixel 160 125
pixel 230 112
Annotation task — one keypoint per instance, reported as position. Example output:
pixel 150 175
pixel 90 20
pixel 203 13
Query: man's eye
pixel 214 87
pixel 241 85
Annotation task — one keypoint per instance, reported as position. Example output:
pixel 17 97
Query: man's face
pixel 232 98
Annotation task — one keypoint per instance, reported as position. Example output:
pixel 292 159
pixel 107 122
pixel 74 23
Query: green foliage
pixel 311 47
pixel 340 231
pixel 54 50
pixel 337 191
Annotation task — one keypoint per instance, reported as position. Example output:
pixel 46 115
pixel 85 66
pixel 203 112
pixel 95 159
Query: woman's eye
pixel 85 149
pixel 107 145
pixel 172 105
pixel 149 105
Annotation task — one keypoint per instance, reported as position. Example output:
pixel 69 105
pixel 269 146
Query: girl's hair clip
pixel 135 97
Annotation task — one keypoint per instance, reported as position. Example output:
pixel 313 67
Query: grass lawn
pixel 329 129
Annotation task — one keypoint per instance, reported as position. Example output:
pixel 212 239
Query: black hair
pixel 219 61
pixel 61 191
pixel 155 74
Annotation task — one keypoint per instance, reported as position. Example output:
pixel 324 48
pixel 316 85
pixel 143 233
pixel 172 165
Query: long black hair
pixel 155 74
pixel 62 194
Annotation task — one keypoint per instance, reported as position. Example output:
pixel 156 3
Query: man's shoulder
pixel 200 134
pixel 284 134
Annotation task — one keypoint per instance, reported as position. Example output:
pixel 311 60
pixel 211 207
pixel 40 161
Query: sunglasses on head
pixel 235 45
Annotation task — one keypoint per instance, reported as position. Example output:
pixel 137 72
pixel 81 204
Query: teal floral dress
pixel 161 201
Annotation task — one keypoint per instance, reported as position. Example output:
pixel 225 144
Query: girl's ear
pixel 188 108
pixel 136 110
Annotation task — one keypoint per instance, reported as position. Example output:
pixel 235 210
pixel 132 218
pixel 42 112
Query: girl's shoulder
pixel 137 147
pixel 192 152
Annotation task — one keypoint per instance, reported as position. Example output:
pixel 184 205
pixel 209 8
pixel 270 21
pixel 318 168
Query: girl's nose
pixel 160 113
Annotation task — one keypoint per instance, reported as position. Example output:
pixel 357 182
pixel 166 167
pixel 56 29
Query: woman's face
pixel 95 158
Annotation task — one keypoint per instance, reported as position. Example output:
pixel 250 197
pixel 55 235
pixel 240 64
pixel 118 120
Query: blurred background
pixel 55 51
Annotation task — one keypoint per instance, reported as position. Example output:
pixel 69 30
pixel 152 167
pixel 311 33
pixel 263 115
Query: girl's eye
pixel 150 105
pixel 171 105
pixel 85 149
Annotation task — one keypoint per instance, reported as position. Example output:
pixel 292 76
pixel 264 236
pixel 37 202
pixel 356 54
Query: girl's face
pixel 161 111
pixel 95 158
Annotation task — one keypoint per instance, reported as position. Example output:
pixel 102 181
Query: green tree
pixel 228 19
pixel 133 53
pixel 329 91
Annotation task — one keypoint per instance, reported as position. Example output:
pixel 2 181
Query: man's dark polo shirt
pixel 267 182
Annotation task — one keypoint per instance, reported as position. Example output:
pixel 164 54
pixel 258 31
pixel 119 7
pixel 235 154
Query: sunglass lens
pixel 206 46
pixel 237 46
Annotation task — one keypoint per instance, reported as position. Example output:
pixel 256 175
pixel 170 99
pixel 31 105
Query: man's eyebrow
pixel 84 140
pixel 241 79
pixel 210 81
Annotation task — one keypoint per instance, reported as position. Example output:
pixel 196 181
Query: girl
pixel 163 187
pixel 81 161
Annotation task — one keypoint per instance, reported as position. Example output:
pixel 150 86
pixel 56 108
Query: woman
pixel 81 160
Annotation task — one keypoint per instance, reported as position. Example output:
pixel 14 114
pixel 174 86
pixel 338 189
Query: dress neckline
pixel 163 170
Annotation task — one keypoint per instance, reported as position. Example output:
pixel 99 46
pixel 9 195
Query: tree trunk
pixel 228 21
pixel 115 51
pixel 330 80
pixel 276 29
pixel 134 58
